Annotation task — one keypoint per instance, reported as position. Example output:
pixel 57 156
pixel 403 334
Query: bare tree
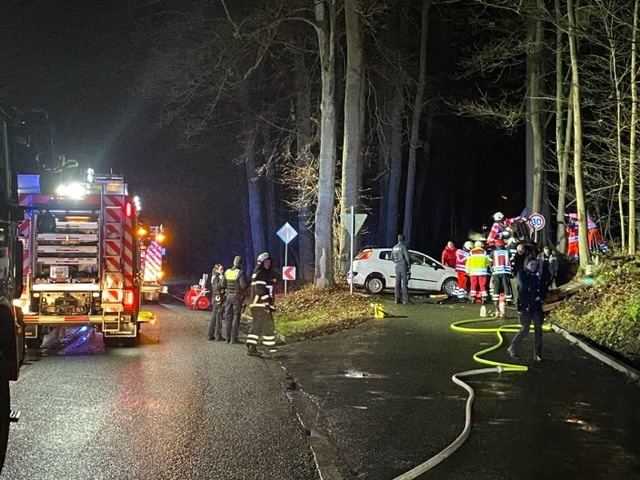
pixel 415 122
pixel 326 13
pixel 353 128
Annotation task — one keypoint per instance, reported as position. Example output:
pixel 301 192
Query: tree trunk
pixel 257 225
pixel 415 122
pixel 303 155
pixel 535 136
pixel 325 15
pixel 562 148
pixel 395 165
pixel 632 137
pixel 583 249
pixel 352 126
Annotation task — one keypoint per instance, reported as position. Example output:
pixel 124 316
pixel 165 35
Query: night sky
pixel 79 61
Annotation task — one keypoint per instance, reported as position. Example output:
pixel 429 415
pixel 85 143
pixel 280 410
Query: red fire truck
pixel 151 254
pixel 80 259
pixel 11 326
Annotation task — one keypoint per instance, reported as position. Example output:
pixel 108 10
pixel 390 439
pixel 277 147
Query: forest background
pixel 229 120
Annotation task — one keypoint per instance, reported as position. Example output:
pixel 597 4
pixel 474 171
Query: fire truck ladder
pixel 113 276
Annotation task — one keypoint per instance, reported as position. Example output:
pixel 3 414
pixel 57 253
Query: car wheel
pixel 449 286
pixel 374 284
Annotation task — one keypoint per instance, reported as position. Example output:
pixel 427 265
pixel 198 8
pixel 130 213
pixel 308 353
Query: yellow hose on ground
pixel 498 330
pixel 498 367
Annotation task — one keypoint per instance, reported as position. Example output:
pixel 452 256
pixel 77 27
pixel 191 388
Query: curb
pixel 600 355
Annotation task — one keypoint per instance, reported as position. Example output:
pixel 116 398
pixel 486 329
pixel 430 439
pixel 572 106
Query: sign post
pixel 352 223
pixel 286 234
pixel 536 222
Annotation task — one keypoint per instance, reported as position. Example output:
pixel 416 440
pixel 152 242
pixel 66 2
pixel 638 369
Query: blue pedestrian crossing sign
pixel 287 233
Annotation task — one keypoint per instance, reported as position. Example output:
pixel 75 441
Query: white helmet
pixel 498 216
pixel 478 244
pixel 468 245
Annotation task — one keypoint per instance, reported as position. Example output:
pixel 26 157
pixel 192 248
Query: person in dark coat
pixel 262 306
pixel 547 268
pixel 529 303
pixel 217 297
pixel 235 285
pixel 400 255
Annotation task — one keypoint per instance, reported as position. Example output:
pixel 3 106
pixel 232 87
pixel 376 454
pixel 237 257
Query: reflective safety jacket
pixel 262 289
pixel 477 262
pixel 461 259
pixel 234 281
pixel 500 262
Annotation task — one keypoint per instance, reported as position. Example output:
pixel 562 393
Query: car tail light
pixel 364 255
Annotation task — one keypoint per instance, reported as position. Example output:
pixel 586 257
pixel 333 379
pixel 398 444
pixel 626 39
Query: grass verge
pixel 309 312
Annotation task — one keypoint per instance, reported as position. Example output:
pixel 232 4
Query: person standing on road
pixel 517 263
pixel 547 268
pixel 217 294
pixel 235 285
pixel 501 272
pixel 262 306
pixel 400 255
pixel 476 265
pixel 529 305
pixel 448 258
pixel 461 271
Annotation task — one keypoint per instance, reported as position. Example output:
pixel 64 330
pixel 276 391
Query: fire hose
pixel 497 367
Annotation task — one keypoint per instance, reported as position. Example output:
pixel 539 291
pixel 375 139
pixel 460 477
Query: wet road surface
pixel 176 407
pixel 379 401
pixel 376 401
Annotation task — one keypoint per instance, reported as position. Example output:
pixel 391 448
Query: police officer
pixel 235 284
pixel 217 281
pixel 400 255
pixel 262 306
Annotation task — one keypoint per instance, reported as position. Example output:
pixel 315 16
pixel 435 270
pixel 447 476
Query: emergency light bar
pixel 72 190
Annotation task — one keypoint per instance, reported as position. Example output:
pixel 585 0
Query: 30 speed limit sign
pixel 536 221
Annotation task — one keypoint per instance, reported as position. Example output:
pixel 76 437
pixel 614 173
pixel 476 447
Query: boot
pixel 252 350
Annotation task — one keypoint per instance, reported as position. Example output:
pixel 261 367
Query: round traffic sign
pixel 536 221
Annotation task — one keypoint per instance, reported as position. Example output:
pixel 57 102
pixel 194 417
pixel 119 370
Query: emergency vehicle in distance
pixel 151 253
pixel 81 259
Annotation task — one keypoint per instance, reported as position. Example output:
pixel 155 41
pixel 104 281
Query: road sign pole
pixel 286 262
pixel 353 222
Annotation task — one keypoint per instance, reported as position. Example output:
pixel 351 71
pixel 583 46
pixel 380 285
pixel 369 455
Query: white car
pixel 373 269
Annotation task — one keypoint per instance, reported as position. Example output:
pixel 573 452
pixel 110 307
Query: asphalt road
pixel 372 403
pixel 380 400
pixel 176 407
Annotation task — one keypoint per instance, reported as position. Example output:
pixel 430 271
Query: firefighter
pixel 500 224
pixel 501 272
pixel 461 272
pixel 235 285
pixel 476 266
pixel 218 293
pixel 262 306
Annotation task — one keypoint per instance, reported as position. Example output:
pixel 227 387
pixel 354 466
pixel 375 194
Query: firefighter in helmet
pixel 262 306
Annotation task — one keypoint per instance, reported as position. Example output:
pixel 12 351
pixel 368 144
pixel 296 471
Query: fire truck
pixel 151 253
pixel 11 326
pixel 81 259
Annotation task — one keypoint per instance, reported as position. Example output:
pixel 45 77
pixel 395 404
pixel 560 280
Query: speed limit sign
pixel 536 221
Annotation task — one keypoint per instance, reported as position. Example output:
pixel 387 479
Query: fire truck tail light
pixel 159 275
pixel 129 298
pixel 128 209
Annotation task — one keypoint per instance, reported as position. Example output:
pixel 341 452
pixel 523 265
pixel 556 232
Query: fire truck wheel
pixel 34 342
pixel 4 413
pixel 203 303
pixel 189 299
